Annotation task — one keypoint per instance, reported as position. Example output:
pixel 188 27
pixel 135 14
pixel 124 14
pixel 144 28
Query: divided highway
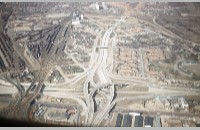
pixel 99 67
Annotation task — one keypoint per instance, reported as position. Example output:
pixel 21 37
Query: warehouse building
pixel 119 120
pixel 148 122
pixel 127 121
pixel 138 121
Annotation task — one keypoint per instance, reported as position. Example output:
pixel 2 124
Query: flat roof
pixel 138 121
pixel 119 120
pixel 127 121
pixel 148 121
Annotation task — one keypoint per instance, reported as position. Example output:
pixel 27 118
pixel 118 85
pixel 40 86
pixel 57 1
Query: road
pixel 49 60
pixel 56 105
pixel 141 61
pixel 178 67
pixel 100 68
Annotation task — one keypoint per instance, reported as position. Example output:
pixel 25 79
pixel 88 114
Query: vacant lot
pixel 186 27
pixel 195 68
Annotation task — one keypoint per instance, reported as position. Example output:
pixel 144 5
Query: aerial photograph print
pixel 100 64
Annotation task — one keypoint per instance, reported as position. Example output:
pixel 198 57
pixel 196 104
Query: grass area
pixel 185 27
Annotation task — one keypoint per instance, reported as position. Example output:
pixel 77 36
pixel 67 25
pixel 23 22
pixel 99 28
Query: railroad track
pixel 20 109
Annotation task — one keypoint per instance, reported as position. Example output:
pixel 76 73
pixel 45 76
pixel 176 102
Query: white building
pixel 75 22
pixel 81 16
pixel 104 5
pixel 134 113
pixel 184 103
pixel 97 6
pixel 167 104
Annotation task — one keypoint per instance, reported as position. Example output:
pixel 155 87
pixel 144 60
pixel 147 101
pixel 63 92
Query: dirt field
pixel 193 68
pixel 3 105
pixel 174 123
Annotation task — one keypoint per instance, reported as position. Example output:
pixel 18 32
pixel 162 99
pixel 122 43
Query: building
pixel 104 5
pixel 186 123
pixel 138 121
pixel 127 121
pixel 134 113
pixel 148 122
pixel 197 124
pixel 158 121
pixel 76 18
pixel 42 89
pixel 184 103
pixel 75 22
pixel 97 6
pixel 81 16
pixel 167 104
pixel 119 120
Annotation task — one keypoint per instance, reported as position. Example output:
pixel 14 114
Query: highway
pixel 102 114
pixel 126 91
pixel 82 75
pixel 99 67
pixel 104 75
pixel 98 78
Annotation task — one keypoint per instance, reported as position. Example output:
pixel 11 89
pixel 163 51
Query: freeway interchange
pixel 99 65
pixel 95 65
